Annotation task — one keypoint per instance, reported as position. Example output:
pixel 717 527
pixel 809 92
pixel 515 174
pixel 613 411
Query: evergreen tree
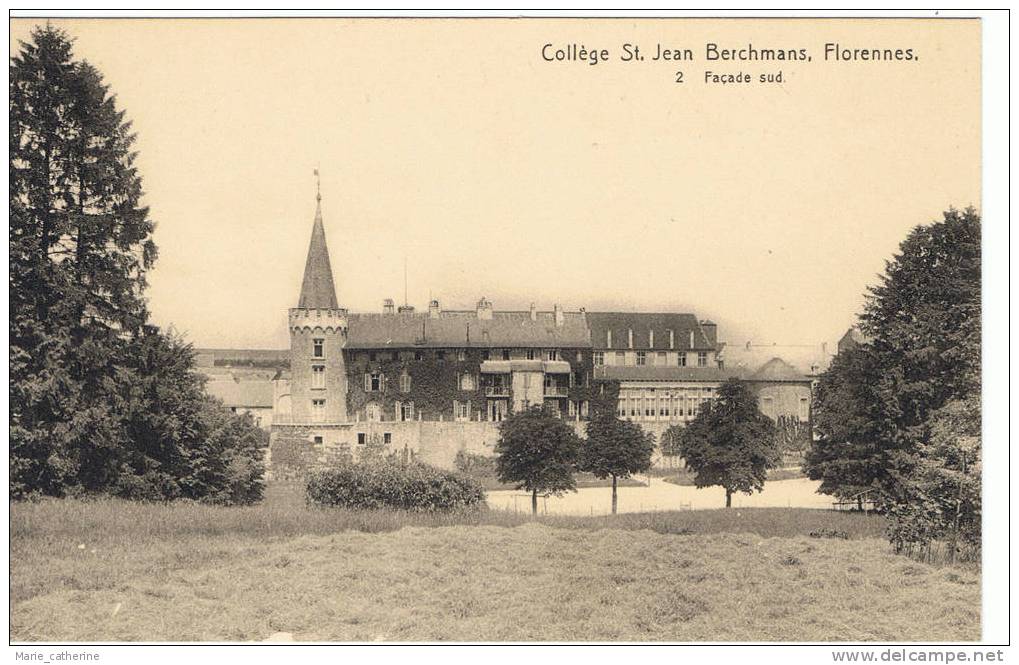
pixel 79 248
pixel 730 442
pixel 538 452
pixel 924 317
pixel 856 446
pixel 100 401
pixel 877 407
pixel 615 449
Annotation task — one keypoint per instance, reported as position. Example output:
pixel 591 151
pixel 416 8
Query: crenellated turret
pixel 318 335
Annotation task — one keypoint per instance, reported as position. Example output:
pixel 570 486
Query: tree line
pixel 101 400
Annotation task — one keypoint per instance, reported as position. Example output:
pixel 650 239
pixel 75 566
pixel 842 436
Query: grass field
pixel 112 570
pixel 685 477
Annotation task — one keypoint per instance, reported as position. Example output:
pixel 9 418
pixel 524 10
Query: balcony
pixel 557 391
pixel 497 391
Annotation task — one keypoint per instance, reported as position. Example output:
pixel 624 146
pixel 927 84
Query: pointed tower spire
pixel 317 289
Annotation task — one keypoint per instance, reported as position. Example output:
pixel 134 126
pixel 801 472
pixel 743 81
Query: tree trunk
pixel 859 503
pixel 534 502
pixel 728 498
pixel 613 495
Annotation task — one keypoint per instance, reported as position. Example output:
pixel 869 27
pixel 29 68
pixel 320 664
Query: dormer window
pixel 553 354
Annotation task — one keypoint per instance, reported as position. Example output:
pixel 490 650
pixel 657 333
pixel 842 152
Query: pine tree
pixel 80 245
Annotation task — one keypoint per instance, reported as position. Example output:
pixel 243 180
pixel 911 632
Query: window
pixel 318 410
pixel 768 407
pixel 663 405
pixel 373 412
pixel 372 356
pixel 461 355
pixel 405 383
pixel 374 382
pixel 584 409
pixel 681 359
pixel 663 359
pixel 572 409
pixel 649 404
pixel 486 354
pixel 461 410
pixel 642 357
pixel 440 355
pixel 466 382
pixel 702 358
pixel 505 354
pixel 804 409
pixel 318 377
pixel 553 354
pixel 387 438
pixel 318 348
pixel 530 354
pixel 598 358
pixel 361 438
pixel 621 407
pixel 317 440
pixel 418 355
pixel 620 358
pixel 404 411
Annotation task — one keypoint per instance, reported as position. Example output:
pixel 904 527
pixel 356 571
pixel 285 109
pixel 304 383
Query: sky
pixel 454 148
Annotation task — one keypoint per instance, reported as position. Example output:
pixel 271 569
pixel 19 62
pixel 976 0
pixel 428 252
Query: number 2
pixel 679 77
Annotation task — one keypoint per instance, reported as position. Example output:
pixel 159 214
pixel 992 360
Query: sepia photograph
pixel 503 329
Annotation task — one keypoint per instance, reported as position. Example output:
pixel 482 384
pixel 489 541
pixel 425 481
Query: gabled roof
pixel 317 288
pixel 462 329
pixel 250 394
pixel 808 359
pixel 641 323
pixel 778 370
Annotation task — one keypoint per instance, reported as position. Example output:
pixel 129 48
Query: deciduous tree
pixel 615 449
pixel 538 452
pixel 730 442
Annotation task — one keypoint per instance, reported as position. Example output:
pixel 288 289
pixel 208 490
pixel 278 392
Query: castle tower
pixel 318 334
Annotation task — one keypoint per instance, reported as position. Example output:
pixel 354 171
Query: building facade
pixel 438 382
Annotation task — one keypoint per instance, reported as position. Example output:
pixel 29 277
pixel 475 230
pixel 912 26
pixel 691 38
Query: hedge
pixel 388 484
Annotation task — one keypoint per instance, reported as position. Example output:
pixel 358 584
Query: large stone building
pixel 438 382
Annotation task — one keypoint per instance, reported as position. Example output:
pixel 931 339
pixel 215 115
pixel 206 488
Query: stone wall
pixel 293 451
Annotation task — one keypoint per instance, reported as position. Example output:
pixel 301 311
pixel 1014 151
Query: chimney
pixel 691 339
pixel 534 313
pixel 608 339
pixel 484 309
pixel 560 317
pixel 710 331
pixel 672 339
pixel 629 338
pixel 405 309
pixel 650 338
pixel 387 306
pixel 433 309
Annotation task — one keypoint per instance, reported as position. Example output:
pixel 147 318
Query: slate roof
pixel 317 288
pixel 461 329
pixel 775 370
pixel 778 370
pixel 250 394
pixel 653 373
pixel 643 322
pixel 809 359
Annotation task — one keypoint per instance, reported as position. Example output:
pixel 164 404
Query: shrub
pixel 385 484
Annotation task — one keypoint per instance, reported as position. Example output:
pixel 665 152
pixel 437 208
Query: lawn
pixel 685 476
pixel 112 570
